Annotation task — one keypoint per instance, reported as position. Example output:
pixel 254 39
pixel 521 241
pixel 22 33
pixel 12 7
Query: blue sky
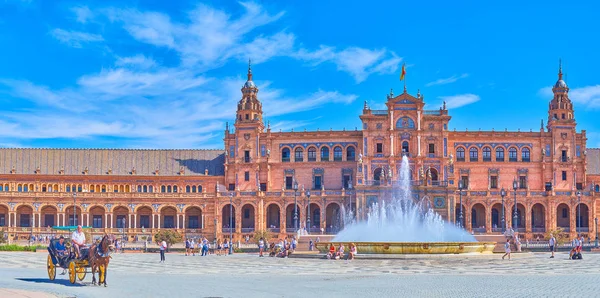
pixel 167 74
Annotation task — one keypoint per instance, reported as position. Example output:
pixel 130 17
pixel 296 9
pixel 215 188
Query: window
pixel 188 188
pixel 120 221
pixel 337 154
pixel 525 155
pixel 246 176
pixel 19 188
pixel 431 148
pixel 263 187
pixel 523 182
pixel 500 154
pixel 144 221
pixel 563 156
pixel 487 154
pixel 379 148
pixel 163 188
pixel 350 154
pixel 565 213
pixel 494 182
pixel 193 222
pixel 231 186
pixel 25 220
pixel 548 186
pixel 247 117
pixel 97 221
pixel 562 116
pixel 564 175
pixel 285 155
pixel 289 182
pixel 579 186
pixel 298 155
pixel 318 182
pixel 246 155
pixel 246 213
pixel 512 154
pixel 67 188
pixel 324 154
pixel 200 188
pixel 460 154
pixel 2 221
pixel 169 189
pixel 597 188
pixel 405 147
pixel 312 154
pixel 346 181
pixel 473 154
pixel 465 181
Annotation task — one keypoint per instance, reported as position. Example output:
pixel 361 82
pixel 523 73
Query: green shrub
pixel 16 247
pixel 170 237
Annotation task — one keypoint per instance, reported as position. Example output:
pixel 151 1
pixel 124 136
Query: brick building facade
pixel 137 192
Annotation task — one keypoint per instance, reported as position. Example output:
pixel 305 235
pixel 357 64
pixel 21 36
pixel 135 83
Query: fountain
pixel 405 226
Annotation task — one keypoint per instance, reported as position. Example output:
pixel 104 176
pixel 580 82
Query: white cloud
pixel 74 38
pixel 460 100
pixel 449 80
pixel 138 60
pixel 588 96
pixel 83 13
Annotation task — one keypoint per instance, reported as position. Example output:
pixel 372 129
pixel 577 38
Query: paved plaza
pixel 246 275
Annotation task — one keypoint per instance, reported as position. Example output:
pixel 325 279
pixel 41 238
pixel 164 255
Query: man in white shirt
pixel 78 239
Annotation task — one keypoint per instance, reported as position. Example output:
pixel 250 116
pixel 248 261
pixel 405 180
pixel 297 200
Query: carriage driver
pixel 78 238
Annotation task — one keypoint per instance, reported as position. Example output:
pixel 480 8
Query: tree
pixel 558 235
pixel 168 236
pixel 2 240
pixel 265 234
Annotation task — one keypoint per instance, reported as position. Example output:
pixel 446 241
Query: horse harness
pixel 99 252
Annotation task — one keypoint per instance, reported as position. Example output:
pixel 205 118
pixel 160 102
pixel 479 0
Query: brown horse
pixel 99 258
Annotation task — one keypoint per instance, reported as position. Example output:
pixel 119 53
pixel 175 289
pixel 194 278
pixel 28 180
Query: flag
pixel 403 73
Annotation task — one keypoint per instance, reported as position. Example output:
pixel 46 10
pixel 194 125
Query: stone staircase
pixel 305 240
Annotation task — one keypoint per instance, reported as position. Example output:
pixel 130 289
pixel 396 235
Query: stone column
pixel 153 225
pixel 238 221
pixel 177 221
pixel 467 217
pixel 528 220
pixel 488 220
pixel 134 220
pixel 573 223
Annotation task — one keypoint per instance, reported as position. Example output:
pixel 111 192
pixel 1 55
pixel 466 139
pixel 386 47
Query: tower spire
pixel 560 74
pixel 249 70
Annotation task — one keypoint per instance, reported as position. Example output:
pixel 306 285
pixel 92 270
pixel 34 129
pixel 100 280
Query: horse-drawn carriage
pixel 78 267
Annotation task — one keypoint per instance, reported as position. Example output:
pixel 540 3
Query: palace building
pixel 283 181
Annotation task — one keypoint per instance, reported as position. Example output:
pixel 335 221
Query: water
pixel 402 219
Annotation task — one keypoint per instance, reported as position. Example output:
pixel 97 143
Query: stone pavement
pixel 245 275
pixel 14 293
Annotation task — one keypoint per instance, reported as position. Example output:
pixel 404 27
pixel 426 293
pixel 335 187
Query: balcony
pixel 299 159
pixel 337 158
pixel 324 158
pixel 538 230
pixel 512 159
pixel 247 230
pixel 312 158
pixel 247 159
pixel 228 230
pixel 285 159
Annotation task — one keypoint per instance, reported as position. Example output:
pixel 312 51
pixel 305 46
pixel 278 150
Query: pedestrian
pixel 311 245
pixel 552 244
pixel 507 249
pixel 261 247
pixel 187 247
pixel 163 246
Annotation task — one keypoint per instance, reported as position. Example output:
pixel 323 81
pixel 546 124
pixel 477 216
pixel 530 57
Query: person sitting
pixel 352 252
pixel 60 251
pixel 78 239
pixel 331 253
pixel 340 252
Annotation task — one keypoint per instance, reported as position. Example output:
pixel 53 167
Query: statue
pixel 451 161
pixel 268 152
pixel 360 156
pixel 543 152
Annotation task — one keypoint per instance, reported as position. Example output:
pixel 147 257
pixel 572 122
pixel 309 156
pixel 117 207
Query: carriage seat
pixel 85 251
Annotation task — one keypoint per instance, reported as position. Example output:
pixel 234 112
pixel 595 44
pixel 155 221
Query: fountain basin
pixel 412 247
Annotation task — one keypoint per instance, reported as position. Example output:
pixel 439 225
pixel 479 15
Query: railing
pixel 478 230
pixel 324 158
pixel 247 230
pixel 433 112
pixel 298 159
pixel 312 159
pixel 497 230
pixel 379 112
pixel 290 230
pixel 228 230
pixel 583 229
pixel 565 229
pixel 274 230
pixel 538 230
pixel 314 230
pixel 192 231
pixel 285 159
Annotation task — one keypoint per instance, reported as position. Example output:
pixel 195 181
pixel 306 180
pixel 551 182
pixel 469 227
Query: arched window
pixel 312 154
pixel 285 155
pixel 460 154
pixel 191 189
pixel 525 155
pixel 405 147
pixel 169 189
pixel 487 154
pixel 163 188
pixel 150 188
pixel 473 154
pixel 350 153
pixel 199 188
pixel 298 155
pixel 188 189
pixel 512 154
pixel 337 153
pixel 174 188
pixel 405 123
pixel 597 188
pixel 324 153
pixel 146 188
pixel 499 154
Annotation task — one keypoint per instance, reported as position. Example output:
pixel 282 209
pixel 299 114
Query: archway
pixel 273 217
pixel 24 216
pixel 49 216
pixel 520 224
pixel 478 218
pixel 144 217
pixel 582 219
pixel 247 218
pixel 457 221
pixel 497 221
pixel 193 218
pixel 167 217
pixel 333 218
pixel 228 218
pixel 71 219
pixel 4 216
pixel 432 174
pixel 291 219
pixel 538 218
pixel 315 218
pixel 376 177
pixel 120 217
pixel 97 217
pixel 562 217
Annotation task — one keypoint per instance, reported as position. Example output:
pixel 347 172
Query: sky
pixel 167 74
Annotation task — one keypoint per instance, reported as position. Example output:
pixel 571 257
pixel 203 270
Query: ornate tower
pixel 249 110
pixel 560 111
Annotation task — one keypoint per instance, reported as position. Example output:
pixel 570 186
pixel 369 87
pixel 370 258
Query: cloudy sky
pixel 167 74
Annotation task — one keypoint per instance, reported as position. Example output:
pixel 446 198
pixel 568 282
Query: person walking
pixel 552 244
pixel 163 246
pixel 507 249
pixel 261 247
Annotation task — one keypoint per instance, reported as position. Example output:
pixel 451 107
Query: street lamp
pixel 74 209
pixel 123 225
pixel 578 228
pixel 295 207
pixel 596 220
pixel 230 223
pixel 515 216
pixel 308 212
pixel 216 222
pixel 460 214
pixel 503 194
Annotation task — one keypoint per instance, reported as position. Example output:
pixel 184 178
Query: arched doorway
pixel 497 223
pixel 457 220
pixel 520 224
pixel 314 226
pixel 49 216
pixel 376 177
pixel 120 217
pixel 432 175
pixel 228 218
pixel 405 148
pixel 273 217
pixel 4 222
pixel 167 217
pixel 291 220
pixel 582 219
pixel 144 217
pixel 538 218
pixel 333 218
pixel 24 216
pixel 97 217
pixel 478 218
pixel 562 217
pixel 247 218
pixel 73 219
pixel 193 218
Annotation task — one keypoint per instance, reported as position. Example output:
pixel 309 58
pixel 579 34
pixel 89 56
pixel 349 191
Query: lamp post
pixel 230 223
pixel 596 220
pixel 216 222
pixel 123 225
pixel 460 214
pixel 295 207
pixel 515 215
pixel 74 209
pixel 503 194
pixel 350 195
pixel 308 212
pixel 578 228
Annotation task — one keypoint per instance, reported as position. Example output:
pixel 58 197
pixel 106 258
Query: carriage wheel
pixel 51 268
pixel 72 271
pixel 81 273
pixel 101 273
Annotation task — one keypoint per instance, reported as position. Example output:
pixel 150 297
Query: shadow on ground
pixel 63 282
